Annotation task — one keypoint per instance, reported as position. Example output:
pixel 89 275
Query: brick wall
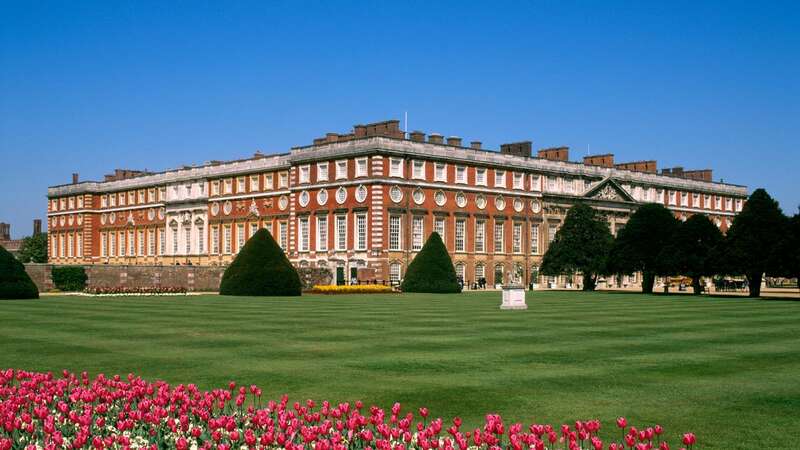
pixel 193 278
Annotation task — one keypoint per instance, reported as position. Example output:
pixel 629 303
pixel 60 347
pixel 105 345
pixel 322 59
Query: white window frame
pixel 418 169
pixel 322 171
pixel 519 180
pixel 460 235
pixel 283 234
pixel 534 238
pixel 341 169
pixel 480 236
pixel 361 231
pixel 214 239
pixel 440 172
pixel 340 232
pixel 500 178
pixel 417 233
pixel 684 199
pixel 396 167
pixel 322 233
pixel 461 174
pixel 304 174
pixel 283 180
pixel 254 183
pixel 499 237
pixel 303 237
pixel 395 232
pixel 439 226
pixel 227 239
pixel 362 167
pixel 480 176
pixel 516 238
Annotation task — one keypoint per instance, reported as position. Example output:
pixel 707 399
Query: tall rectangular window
pixel 104 245
pixel 283 180
pixel 341 169
pixel 551 233
pixel 80 245
pixel 122 246
pixel 500 178
pixel 151 241
pixel 201 239
pixel 322 172
pixel 226 238
pixel 54 247
pixel 461 226
pixel 480 236
pixel 361 167
pixel 214 239
pixel 516 238
pixel 480 176
pixel 684 199
pixel 361 231
pixel 162 241
pixel 341 232
pixel 215 187
pixel 322 233
pixel 536 183
pixel 302 242
pixel 395 167
pixel 175 240
pixel 440 172
pixel 187 237
pixel 416 233
pixel 239 237
pixel 254 183
pixel 438 227
pixel 418 170
pixel 131 243
pixel 70 245
pixel 305 174
pixel 672 197
pixel 461 174
pixel 718 202
pixel 240 185
pixel 253 228
pixel 62 243
pixel 268 183
pixel 499 246
pixel 394 233
pixel 519 181
pixel 535 238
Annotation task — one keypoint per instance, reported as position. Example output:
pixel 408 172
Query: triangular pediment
pixel 608 190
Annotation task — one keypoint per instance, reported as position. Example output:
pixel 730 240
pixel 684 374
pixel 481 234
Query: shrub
pixel 432 270
pixel 14 281
pixel 69 278
pixel 260 269
pixel 352 289
pixel 134 290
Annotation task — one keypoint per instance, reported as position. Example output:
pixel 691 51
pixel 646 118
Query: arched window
pixel 519 273
pixel 460 271
pixel 535 274
pixel 480 272
pixel 498 274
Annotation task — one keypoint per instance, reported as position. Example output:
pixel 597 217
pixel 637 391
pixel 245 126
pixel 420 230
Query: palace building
pixel 362 204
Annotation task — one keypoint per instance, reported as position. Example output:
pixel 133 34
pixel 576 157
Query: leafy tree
pixel 639 244
pixel 582 245
pixel 754 238
pixel 34 249
pixel 431 271
pixel 785 261
pixel 14 281
pixel 260 269
pixel 692 252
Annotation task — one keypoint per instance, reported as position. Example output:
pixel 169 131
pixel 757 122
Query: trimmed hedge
pixel 14 281
pixel 69 278
pixel 431 271
pixel 260 269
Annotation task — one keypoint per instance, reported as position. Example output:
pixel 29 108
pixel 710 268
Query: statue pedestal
pixel 513 297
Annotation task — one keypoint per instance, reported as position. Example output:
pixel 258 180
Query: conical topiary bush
pixel 431 270
pixel 260 269
pixel 14 281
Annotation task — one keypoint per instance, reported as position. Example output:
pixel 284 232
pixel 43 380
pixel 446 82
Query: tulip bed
pixel 40 410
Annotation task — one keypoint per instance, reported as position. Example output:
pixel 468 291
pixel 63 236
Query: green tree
pixel 260 269
pixel 754 239
pixel 639 244
pixel 692 252
pixel 431 271
pixel 14 281
pixel 582 244
pixel 34 249
pixel 785 261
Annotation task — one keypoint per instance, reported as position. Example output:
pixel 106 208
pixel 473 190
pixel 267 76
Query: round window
pixel 227 207
pixel 536 206
pixel 361 194
pixel 518 205
pixel 500 203
pixel 304 198
pixel 102 219
pixel 214 209
pixel 419 196
pixel 480 201
pixel 396 194
pixel 283 202
pixel 440 198
pixel 322 197
pixel 341 195
pixel 461 200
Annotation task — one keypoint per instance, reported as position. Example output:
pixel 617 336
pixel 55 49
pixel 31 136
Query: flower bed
pixel 352 289
pixel 42 410
pixel 130 290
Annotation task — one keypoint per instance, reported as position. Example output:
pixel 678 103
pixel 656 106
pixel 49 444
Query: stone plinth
pixel 513 297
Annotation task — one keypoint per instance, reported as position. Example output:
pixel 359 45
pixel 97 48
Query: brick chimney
pixel 606 160
pixel 701 175
pixel 435 138
pixel 5 231
pixel 37 226
pixel 74 178
pixel 475 144
pixel 454 140
pixel 639 166
pixel 417 136
pixel 517 148
pixel 554 153
pixel 673 172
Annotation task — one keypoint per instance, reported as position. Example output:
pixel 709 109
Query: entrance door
pixel 353 275
pixel 339 276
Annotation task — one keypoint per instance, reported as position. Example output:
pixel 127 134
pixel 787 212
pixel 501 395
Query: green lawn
pixel 726 369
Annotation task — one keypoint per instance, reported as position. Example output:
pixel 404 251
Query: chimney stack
pixel 435 138
pixel 454 140
pixel 555 153
pixel 638 166
pixel 74 178
pixel 5 232
pixel 475 144
pixel 37 226
pixel 417 136
pixel 517 148
pixel 606 160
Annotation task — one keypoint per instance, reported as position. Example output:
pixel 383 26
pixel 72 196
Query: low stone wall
pixel 193 278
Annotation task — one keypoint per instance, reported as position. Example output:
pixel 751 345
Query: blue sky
pixel 90 86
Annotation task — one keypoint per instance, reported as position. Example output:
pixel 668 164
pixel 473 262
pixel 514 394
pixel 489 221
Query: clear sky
pixel 91 86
